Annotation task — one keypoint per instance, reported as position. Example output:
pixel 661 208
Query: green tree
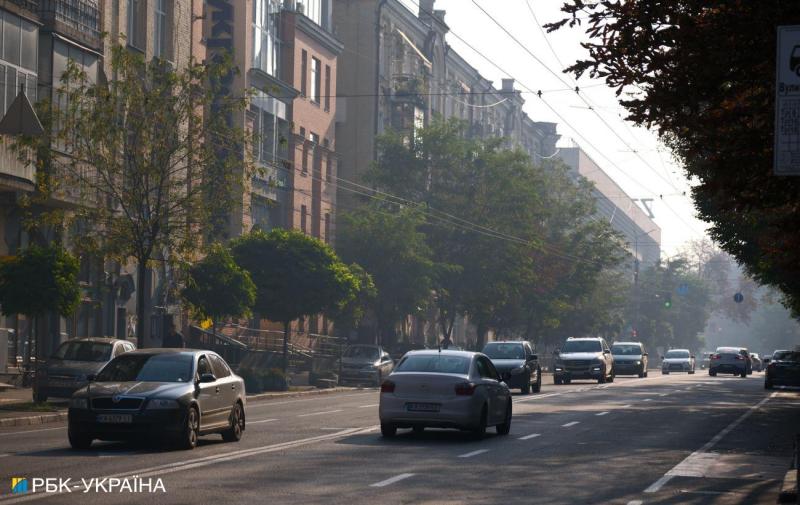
pixel 295 276
pixel 139 159
pixel 217 287
pixel 389 246
pixel 348 316
pixel 37 281
pixel 703 75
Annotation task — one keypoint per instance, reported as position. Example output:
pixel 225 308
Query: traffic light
pixel 668 302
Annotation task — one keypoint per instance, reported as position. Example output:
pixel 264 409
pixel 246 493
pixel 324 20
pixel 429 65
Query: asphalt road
pixel 663 439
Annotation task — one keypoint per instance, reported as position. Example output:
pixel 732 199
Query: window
pixel 303 73
pixel 266 41
pixel 327 88
pixel 203 366
pixel 270 128
pixel 137 23
pixel 303 212
pixel 304 163
pixel 327 228
pixel 162 33
pixel 315 80
pixel 18 59
pixel 316 13
pixel 485 369
pixel 220 367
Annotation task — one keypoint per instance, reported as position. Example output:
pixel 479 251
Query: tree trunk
pixel 287 326
pixel 482 329
pixel 141 275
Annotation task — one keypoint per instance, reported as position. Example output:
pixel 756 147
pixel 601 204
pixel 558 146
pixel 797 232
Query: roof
pixel 627 343
pixel 584 338
pixel 161 350
pixel 443 352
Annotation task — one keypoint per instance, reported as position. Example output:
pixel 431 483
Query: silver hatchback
pixel 445 389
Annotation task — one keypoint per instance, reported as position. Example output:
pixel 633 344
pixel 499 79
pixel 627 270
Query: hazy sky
pixel 650 174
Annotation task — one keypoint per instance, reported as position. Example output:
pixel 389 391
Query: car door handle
pixel 233 386
pixel 217 389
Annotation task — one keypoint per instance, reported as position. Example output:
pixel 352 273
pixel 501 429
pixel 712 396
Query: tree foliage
pixel 137 158
pixel 217 287
pixel 703 75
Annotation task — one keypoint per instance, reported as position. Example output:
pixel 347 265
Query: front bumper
pixel 675 367
pixel 145 423
pixel 460 412
pixel 567 372
pixel 358 376
pixel 628 368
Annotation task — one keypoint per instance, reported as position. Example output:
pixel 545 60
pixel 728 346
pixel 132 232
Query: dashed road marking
pixel 392 480
pixel 647 400
pixel 261 421
pixel 473 453
pixel 528 437
pixel 601 413
pixel 320 413
pixel 573 423
pixel 370 405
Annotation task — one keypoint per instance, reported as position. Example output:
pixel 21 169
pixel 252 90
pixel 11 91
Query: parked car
pixel 400 350
pixel 176 395
pixel 365 364
pixel 630 358
pixel 66 371
pixel 757 364
pixel 784 370
pixel 445 389
pixel 728 360
pixel 678 360
pixel 518 359
pixel 706 361
pixel 584 358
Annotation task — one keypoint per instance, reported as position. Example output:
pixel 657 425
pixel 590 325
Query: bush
pixel 257 380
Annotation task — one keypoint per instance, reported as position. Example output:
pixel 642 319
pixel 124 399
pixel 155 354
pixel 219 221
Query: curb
pixel 788 493
pixel 31 420
pixel 292 394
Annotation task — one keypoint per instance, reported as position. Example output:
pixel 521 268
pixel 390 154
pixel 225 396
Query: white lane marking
pixel 517 400
pixel 657 485
pixel 647 400
pixel 370 405
pixel 396 478
pixel 664 394
pixel 528 437
pixel 261 421
pixel 320 413
pixel 204 461
pixel 473 453
pixel 573 423
pixel 626 406
pixel 635 502
pixel 601 413
pixel 32 431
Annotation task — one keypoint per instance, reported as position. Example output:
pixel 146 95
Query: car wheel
pixel 234 433
pixel 505 428
pixel 537 387
pixel 567 381
pixel 39 396
pixel 768 385
pixel 691 372
pixel 602 378
pixel 388 430
pixel 744 374
pixel 190 430
pixel 664 372
pixel 642 373
pixel 479 431
pixel 712 373
pixel 79 441
pixel 613 375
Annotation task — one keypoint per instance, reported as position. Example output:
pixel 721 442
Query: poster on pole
pixel 787 102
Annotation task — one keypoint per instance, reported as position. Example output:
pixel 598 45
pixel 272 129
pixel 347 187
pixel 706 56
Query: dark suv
pixel 584 358
pixel 518 359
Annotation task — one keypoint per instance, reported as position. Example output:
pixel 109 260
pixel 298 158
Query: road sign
pixel 738 298
pixel 683 289
pixel 787 102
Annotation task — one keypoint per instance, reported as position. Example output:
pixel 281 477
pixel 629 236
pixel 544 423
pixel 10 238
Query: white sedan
pixel 445 389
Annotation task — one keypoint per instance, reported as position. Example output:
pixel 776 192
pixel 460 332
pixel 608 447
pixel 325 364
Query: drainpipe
pixel 378 12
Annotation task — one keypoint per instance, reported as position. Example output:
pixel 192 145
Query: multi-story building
pixel 398 72
pixel 641 234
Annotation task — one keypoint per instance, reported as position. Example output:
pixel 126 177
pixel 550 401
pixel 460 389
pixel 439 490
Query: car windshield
pixel 582 346
pixel 148 368
pixel 504 351
pixel 84 351
pixel 787 356
pixel 362 351
pixel 626 350
pixel 677 354
pixel 434 363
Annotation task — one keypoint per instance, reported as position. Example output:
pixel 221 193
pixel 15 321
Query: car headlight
pixel 161 404
pixel 78 403
pixel 638 362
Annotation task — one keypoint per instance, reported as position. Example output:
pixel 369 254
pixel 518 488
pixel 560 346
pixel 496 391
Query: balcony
pixel 77 19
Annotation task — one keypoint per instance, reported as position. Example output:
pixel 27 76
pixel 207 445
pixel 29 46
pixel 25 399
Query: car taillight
pixel 465 389
pixel 739 356
pixel 715 356
pixel 387 387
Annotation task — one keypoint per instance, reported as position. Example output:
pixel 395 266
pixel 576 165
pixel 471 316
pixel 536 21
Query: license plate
pixel 115 418
pixel 423 407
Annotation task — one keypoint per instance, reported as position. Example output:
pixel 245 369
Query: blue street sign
pixel 683 289
pixel 738 298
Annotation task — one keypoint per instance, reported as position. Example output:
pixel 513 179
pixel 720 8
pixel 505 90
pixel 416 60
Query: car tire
pixel 712 373
pixel 744 375
pixel 768 385
pixel 567 381
pixel 236 419
pixel 388 430
pixel 505 428
pixel 691 372
pixel 479 431
pixel 537 387
pixel 642 374
pixel 79 442
pixel 613 375
pixel 664 372
pixel 191 428
pixel 602 379
pixel 39 396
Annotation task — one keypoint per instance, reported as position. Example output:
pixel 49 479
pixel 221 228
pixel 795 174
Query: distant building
pixel 641 234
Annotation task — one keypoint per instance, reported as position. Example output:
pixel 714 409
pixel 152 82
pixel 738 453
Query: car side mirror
pixel 207 377
pixel 606 351
pixel 644 354
pixel 662 357
pixel 91 377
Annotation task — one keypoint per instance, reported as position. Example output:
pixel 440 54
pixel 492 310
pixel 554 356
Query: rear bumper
pixel 785 380
pixel 456 412
pixel 727 368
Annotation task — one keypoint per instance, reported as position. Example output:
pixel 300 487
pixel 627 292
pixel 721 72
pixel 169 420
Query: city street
pixel 662 439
